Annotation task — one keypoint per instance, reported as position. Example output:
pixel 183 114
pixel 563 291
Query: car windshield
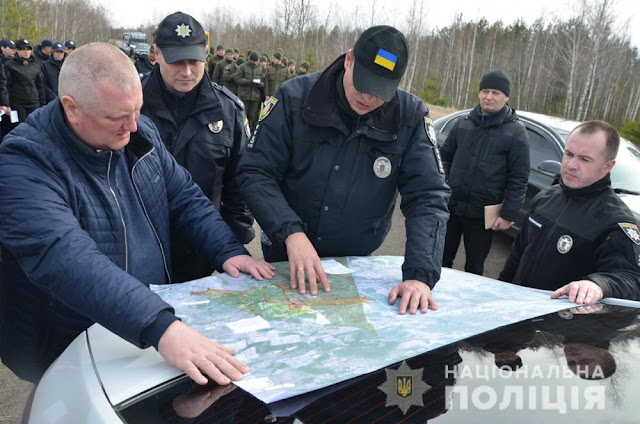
pixel 625 175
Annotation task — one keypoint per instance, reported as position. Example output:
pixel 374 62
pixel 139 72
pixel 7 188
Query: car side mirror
pixel 551 168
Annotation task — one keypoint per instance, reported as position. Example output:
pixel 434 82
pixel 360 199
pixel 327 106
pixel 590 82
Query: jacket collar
pixel 321 109
pixel 504 115
pixel 153 98
pixel 85 154
pixel 594 189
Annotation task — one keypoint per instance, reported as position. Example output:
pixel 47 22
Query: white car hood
pixel 125 370
pixel 633 202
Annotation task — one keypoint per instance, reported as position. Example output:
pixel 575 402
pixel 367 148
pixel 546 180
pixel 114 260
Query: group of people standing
pixel 29 76
pixel 124 183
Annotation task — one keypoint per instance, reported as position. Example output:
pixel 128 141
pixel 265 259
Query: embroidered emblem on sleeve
pixel 431 133
pixel 267 108
pixel 631 230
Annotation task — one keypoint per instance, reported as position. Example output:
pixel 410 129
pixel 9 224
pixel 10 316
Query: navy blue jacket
pixel 64 250
pixel 306 170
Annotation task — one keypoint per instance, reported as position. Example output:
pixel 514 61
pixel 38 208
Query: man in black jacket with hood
pixel 486 162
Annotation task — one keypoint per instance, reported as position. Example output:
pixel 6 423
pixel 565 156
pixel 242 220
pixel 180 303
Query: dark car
pixel 547 136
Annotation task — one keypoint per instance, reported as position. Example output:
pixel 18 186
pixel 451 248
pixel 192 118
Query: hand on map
pixel 245 263
pixel 197 355
pixel 582 292
pixel 414 294
pixel 198 399
pixel 304 261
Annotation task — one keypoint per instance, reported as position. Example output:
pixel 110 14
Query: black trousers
pixel 477 242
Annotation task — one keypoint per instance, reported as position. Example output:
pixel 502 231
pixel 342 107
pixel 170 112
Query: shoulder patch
pixel 631 230
pixel 431 133
pixel 247 130
pixel 229 94
pixel 267 108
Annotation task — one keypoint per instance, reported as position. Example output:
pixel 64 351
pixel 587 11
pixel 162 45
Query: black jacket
pixel 4 93
pixel 143 65
pixel 25 83
pixel 600 249
pixel 486 162
pixel 38 56
pixel 309 168
pixel 51 74
pixel 208 145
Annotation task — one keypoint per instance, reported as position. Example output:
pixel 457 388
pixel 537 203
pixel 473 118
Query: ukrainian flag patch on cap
pixel 386 59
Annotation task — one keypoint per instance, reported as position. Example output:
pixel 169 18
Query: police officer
pixel 486 160
pixel 203 126
pixel 323 169
pixel 69 47
pixel 580 239
pixel 42 52
pixel 51 71
pixel 25 82
pixel 145 63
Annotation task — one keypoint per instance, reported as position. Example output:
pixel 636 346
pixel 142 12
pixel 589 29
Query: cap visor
pixel 174 54
pixel 367 81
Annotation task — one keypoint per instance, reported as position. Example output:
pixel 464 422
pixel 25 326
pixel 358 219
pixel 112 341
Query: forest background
pixel 579 66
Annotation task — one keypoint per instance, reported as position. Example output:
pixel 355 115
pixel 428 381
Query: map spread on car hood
pixel 296 343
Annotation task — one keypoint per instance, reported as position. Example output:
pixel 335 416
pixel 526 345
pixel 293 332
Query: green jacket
pixel 228 77
pixel 248 89
pixel 276 75
pixel 219 70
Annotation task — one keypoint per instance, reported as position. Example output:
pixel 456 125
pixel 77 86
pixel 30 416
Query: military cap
pixel 277 55
pixel 180 37
pixel 305 65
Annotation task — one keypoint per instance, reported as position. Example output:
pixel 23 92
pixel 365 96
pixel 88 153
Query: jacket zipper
pixel 126 245
pixel 164 258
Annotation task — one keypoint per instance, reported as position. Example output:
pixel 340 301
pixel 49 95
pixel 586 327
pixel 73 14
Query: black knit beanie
pixel 496 80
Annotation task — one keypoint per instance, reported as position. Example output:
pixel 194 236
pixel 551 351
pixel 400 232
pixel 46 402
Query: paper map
pixel 298 343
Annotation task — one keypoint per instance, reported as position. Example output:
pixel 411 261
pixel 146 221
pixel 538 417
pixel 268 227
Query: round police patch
pixel 215 127
pixel 382 167
pixel 565 243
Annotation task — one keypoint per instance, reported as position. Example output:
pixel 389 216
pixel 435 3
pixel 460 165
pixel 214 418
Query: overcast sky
pixel 131 14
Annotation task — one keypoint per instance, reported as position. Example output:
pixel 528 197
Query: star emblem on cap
pixel 183 30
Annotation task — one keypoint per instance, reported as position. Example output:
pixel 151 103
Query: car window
pixel 626 172
pixel 540 149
